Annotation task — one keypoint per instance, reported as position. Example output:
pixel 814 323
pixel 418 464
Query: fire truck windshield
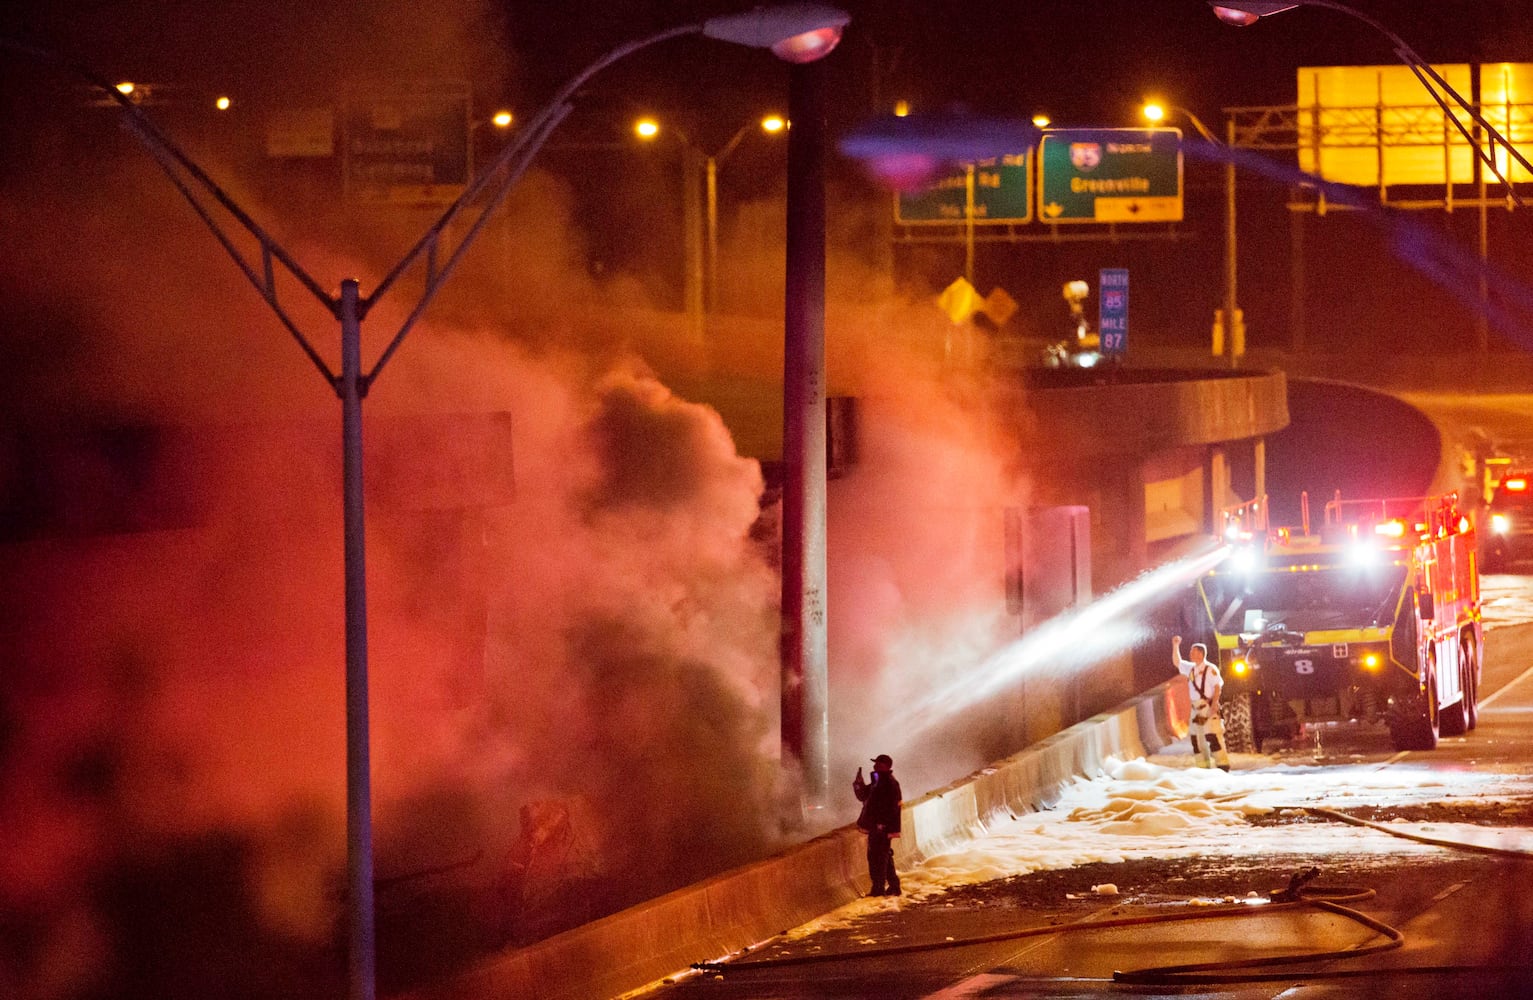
pixel 1341 597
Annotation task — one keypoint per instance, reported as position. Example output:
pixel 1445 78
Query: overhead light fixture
pixel 795 32
pixel 1244 13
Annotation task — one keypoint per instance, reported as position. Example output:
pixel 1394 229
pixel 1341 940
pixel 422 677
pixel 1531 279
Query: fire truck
pixel 1375 617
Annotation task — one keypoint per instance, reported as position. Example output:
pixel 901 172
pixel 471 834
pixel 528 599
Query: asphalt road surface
pixel 1464 918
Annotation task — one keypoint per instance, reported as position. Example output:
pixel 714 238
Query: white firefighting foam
pixel 1142 809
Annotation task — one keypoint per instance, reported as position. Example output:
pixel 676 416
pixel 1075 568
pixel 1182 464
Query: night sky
pixel 1084 64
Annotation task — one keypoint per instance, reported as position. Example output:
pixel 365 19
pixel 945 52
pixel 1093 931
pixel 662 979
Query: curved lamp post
pixel 702 251
pixel 1243 13
pixel 1228 319
pixel 771 125
pixel 799 32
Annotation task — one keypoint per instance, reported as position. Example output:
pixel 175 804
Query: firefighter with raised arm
pixel 1204 682
pixel 880 820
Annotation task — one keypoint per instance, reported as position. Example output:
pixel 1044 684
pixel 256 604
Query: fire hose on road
pixel 1297 896
pixel 1300 894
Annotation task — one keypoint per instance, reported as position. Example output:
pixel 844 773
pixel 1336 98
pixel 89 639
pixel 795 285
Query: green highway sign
pixel 1111 175
pixel 409 145
pixel 1003 193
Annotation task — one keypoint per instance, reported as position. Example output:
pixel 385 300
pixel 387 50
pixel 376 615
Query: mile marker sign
pixel 1111 175
pixel 1112 311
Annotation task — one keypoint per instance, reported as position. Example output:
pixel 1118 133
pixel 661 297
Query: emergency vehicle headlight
pixel 1245 560
pixel 1500 523
pixel 1363 554
pixel 1240 668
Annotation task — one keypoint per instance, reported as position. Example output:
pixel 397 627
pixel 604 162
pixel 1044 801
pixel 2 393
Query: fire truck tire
pixel 1471 660
pixel 1420 730
pixel 1454 720
pixel 1240 724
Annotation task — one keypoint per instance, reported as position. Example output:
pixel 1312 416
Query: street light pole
pixel 1234 323
pixel 796 33
pixel 359 808
pixel 1230 322
pixel 712 181
pixel 805 655
pixel 1242 13
pixel 771 123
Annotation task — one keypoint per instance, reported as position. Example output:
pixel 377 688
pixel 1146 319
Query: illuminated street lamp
pixel 794 32
pixel 771 125
pixel 1243 13
pixel 1229 319
pixel 701 222
pixel 648 129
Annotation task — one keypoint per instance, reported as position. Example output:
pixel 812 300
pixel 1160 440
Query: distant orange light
pixel 222 104
pixel 1515 485
pixel 125 88
pixel 502 119
pixel 646 128
pixel 1371 661
pixel 1239 667
pixel 1394 529
pixel 773 123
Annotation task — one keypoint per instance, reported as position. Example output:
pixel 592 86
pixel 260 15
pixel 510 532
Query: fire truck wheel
pixel 1239 724
pixel 1418 731
pixel 1471 660
pixel 1456 720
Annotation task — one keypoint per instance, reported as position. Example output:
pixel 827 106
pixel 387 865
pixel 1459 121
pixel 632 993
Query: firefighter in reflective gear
pixel 1204 682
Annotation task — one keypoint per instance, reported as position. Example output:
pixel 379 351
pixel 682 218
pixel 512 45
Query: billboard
pixel 1377 125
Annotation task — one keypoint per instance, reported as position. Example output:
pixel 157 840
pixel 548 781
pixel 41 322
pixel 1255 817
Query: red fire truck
pixel 1375 617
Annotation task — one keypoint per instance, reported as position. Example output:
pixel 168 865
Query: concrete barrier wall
pixel 740 908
